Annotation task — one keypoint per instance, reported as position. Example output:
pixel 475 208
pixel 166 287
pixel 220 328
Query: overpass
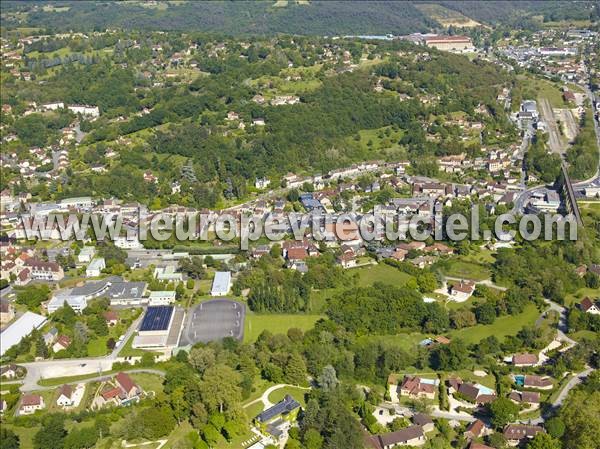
pixel 569 194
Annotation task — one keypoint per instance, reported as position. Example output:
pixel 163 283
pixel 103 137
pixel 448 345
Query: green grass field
pixel 367 276
pixel 538 88
pixel 503 326
pixel 381 273
pixel 575 298
pixel 468 270
pixel 296 393
pixel 402 341
pixel 276 324
pixel 149 382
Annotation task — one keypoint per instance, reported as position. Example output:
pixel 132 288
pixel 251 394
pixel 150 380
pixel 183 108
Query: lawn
pixel 296 393
pixel 254 409
pixel 407 342
pixel 25 435
pixel 467 270
pixel 575 298
pixel 97 347
pixel 148 382
pixel 276 323
pixel 385 138
pixel 381 273
pixel 129 351
pixel 502 327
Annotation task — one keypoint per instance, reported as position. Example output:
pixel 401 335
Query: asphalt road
pixel 214 320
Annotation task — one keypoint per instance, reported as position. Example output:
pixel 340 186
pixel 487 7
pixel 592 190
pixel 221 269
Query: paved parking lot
pixel 214 320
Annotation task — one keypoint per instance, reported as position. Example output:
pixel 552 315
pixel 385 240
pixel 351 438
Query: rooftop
pixel 157 318
pixel 19 329
pixel 286 405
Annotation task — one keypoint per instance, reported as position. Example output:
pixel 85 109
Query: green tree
pixel 220 388
pixel 503 411
pixel 328 379
pixel 179 404
pixel 84 438
pixel 8 439
pixel 543 441
pixel 52 433
pixel 295 370
pixel 555 427
pixel 202 358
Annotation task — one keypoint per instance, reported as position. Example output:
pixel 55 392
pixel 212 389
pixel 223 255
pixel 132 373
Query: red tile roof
pixel 31 399
pixel 125 382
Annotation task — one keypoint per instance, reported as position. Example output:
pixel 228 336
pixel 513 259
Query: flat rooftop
pixel 157 318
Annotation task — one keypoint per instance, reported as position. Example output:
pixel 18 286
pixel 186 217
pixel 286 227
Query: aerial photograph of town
pixel 299 224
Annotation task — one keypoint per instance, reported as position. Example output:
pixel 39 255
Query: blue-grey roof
pixel 157 318
pixel 286 405
pixel 221 282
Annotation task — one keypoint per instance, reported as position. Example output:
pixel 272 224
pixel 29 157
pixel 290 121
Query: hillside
pixel 294 17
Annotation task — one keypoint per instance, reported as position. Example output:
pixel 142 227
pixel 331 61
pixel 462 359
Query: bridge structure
pixel 569 195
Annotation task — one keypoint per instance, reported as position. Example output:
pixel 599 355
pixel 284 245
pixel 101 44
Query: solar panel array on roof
pixel 157 318
pixel 286 405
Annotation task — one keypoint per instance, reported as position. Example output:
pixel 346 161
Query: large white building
pixel 118 291
pixel 21 328
pixel 221 283
pixel 86 110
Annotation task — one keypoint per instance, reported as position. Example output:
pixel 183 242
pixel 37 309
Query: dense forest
pixel 262 17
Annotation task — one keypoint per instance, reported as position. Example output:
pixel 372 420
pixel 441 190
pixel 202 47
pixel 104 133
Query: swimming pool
pixel 485 390
pixel 520 380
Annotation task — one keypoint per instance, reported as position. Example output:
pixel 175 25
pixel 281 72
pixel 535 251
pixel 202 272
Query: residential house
pixel 537 382
pixel 524 359
pixel 65 396
pixel 474 429
pixel 417 387
pixel 50 336
pixel 516 433
pixel 94 269
pixel 409 436
pixel 262 183
pixel 7 311
pixel 128 386
pixel 30 403
pixel 420 419
pixel 44 271
pixel 589 306
pixel 8 371
pixel 63 342
pixel 259 251
pixel 526 397
pixel 475 393
pixel 347 258
pixel 462 291
pixel 111 317
pixel 122 391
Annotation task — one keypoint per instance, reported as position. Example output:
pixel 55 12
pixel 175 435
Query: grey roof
pixel 22 327
pixel 286 405
pixel 221 282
